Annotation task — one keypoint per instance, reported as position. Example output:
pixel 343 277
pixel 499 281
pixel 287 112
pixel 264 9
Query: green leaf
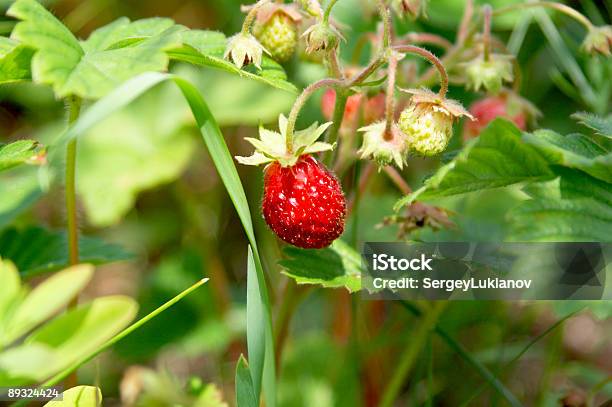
pixel 336 266
pixel 15 61
pixel 35 250
pixel 573 207
pixel 601 125
pixel 89 69
pixel 245 393
pixel 19 152
pixel 154 148
pixel 9 292
pixel 206 48
pixel 574 151
pixel 25 364
pixel 497 158
pixel 84 329
pixel 80 396
pixel 256 335
pixel 46 299
pixel 224 163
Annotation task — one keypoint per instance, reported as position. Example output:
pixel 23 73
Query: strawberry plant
pixel 443 121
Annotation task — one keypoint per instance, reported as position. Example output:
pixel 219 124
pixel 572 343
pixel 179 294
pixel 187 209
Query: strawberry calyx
pixel 271 146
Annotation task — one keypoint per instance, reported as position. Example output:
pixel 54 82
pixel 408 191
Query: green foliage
pixel 573 151
pixel 497 158
pixel 112 54
pixel 19 189
pixel 83 330
pixel 19 152
pixel 336 266
pixel 601 125
pixel 52 345
pixel 223 161
pixel 80 396
pixel 145 153
pixel 35 250
pixel 43 301
pixel 90 69
pixel 568 180
pixel 206 48
pixel 14 61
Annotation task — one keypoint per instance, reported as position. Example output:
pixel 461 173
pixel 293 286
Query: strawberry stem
pixel 250 18
pixel 427 38
pixel 328 10
pixel 385 14
pixel 413 49
pixel 299 104
pixel 390 99
pixel 486 31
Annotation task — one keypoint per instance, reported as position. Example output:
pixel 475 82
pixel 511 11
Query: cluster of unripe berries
pixel 303 201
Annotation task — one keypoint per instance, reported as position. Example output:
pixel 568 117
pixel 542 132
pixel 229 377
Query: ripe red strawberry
pixel 303 204
pixel 506 105
pixel 351 110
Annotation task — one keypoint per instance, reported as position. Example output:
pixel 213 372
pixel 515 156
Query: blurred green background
pixel 146 183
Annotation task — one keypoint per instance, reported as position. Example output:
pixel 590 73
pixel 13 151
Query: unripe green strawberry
pixel 428 121
pixel 278 35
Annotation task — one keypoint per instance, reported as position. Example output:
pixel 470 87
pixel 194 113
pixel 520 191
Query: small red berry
pixel 351 110
pixel 488 109
pixel 304 203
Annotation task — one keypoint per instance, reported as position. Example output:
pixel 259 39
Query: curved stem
pixel 328 10
pixel 250 18
pixel 74 108
pixel 486 31
pixel 390 97
pixel 427 38
pixel 299 104
pixel 413 49
pixel 576 15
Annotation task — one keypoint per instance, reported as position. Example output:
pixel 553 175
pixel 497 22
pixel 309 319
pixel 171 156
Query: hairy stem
pixel 413 49
pixel 486 31
pixel 385 14
pixel 328 10
pixel 299 104
pixel 390 97
pixel 250 18
pixel 576 15
pixel 398 180
pixel 427 38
